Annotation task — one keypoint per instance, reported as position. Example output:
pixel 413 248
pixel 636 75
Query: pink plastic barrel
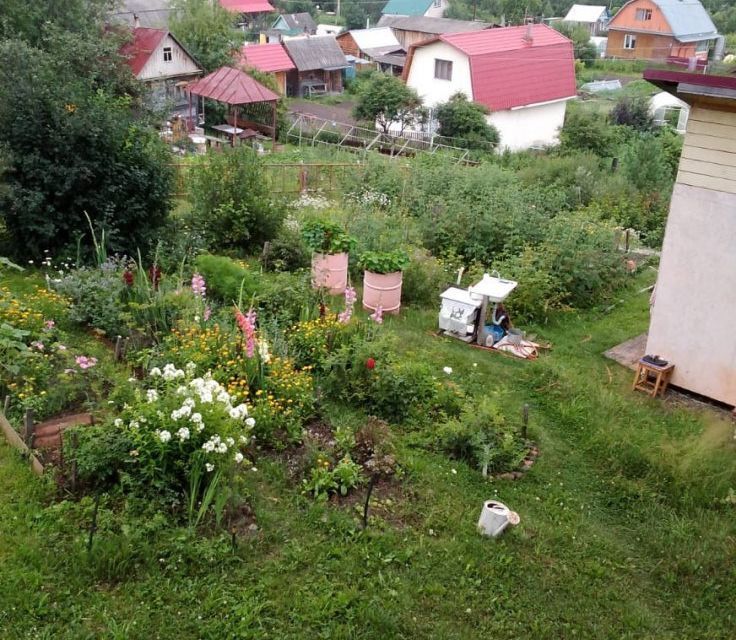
pixel 330 270
pixel 382 289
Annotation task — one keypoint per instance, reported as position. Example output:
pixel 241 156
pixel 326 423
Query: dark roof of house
pixel 232 86
pixel 151 13
pixel 431 25
pixel 688 20
pixel 688 86
pixel 316 52
pixel 299 22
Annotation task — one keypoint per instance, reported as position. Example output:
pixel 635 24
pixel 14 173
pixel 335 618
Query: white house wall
pixel 529 126
pixel 156 69
pixel 421 74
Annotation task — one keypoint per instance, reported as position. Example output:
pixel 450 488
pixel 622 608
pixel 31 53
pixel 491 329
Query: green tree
pixel 583 49
pixel 587 131
pixel 231 200
pixel 72 146
pixel 386 100
pixel 460 118
pixel 206 30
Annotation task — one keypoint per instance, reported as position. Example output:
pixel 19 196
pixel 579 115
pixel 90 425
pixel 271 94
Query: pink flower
pixel 207 313
pixel 377 315
pixel 350 298
pixel 83 362
pixel 247 324
pixel 37 345
pixel 199 288
pixel 49 324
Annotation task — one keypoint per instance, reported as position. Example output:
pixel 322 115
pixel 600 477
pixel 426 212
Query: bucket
pixel 382 290
pixel 330 271
pixel 495 517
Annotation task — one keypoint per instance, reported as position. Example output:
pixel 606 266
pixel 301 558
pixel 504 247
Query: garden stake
pixel 28 422
pixel 6 404
pixel 93 526
pixel 75 444
pixel 371 484
pixel 525 421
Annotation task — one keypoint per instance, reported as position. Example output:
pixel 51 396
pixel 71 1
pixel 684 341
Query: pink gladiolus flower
pixel 83 362
pixel 199 288
pixel 49 324
pixel 377 315
pixel 350 298
pixel 207 313
pixel 247 324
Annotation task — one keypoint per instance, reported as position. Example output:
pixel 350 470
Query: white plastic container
pixel 495 517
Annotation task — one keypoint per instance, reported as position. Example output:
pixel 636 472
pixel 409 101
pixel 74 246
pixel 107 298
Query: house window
pixel 442 69
pixel 643 14
pixel 167 54
pixel 629 41
pixel 702 46
pixel 437 4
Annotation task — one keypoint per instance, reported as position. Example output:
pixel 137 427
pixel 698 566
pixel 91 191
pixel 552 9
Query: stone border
pixel 14 440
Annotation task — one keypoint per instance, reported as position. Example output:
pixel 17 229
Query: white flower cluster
pixel 151 396
pixel 169 373
pixel 371 198
pixel 313 201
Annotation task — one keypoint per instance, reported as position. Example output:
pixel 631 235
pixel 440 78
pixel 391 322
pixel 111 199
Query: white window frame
pixel 443 69
pixel 702 46
pixel 168 54
pixel 437 4
pixel 642 15
pixel 630 41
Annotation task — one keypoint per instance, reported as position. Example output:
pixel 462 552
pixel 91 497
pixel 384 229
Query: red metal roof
pixel 247 6
pixel 266 57
pixel 231 86
pixel 145 41
pixel 508 71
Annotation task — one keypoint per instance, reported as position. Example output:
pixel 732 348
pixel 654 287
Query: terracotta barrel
pixel 382 289
pixel 330 270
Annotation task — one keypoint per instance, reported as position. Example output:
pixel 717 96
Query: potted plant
pixel 330 245
pixel 382 279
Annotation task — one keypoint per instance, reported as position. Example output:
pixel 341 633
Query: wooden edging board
pixel 11 435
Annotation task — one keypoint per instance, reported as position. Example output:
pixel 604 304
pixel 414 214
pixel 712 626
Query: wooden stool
pixel 651 378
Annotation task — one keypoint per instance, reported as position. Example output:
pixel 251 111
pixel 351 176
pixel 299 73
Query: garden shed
pixel 319 62
pixel 252 106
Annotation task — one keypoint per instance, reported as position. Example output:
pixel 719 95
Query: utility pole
pixel 337 9
pixel 475 6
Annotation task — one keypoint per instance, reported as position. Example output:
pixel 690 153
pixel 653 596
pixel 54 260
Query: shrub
pixel 425 278
pixel 232 205
pixel 226 278
pixel 323 236
pixel 632 112
pixel 384 261
pixel 482 437
pixel 466 123
pixel 288 251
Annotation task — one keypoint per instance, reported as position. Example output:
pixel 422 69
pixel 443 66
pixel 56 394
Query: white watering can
pixel 495 517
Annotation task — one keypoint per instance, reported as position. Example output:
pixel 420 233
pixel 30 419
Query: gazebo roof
pixel 232 86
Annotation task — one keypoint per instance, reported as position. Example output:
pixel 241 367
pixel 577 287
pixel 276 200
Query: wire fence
pixel 289 178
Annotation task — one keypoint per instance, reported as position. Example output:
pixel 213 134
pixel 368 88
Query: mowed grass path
pixel 623 531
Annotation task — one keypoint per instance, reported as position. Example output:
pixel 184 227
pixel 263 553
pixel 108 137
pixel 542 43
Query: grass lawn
pixel 624 532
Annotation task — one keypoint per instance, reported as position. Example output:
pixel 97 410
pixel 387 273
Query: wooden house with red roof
pixel 268 58
pixel 160 61
pixel 524 75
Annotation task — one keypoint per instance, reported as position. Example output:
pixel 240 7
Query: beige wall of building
pixel 693 322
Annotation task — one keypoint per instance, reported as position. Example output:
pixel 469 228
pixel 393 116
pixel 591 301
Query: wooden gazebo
pixel 236 89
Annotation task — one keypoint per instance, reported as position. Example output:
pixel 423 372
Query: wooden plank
pixel 708 169
pixel 709 155
pixel 712 129
pixel 710 142
pixel 698 114
pixel 706 182
pixel 14 439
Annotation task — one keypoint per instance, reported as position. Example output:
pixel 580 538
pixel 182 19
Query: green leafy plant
pixel 323 236
pixel 325 480
pixel 384 261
